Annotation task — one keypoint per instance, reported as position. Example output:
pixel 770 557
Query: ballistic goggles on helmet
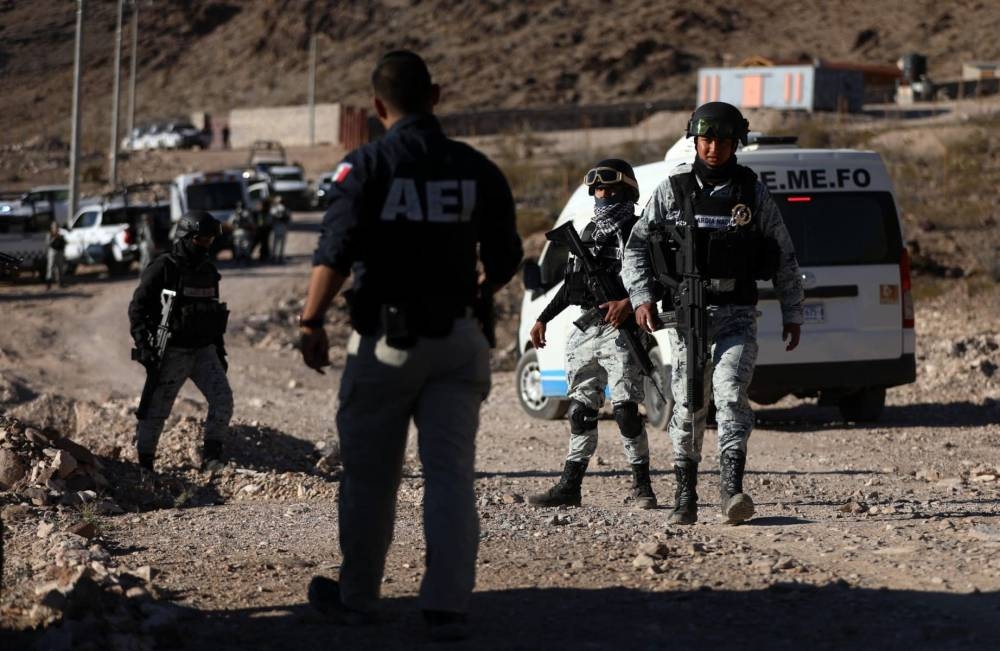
pixel 715 129
pixel 608 176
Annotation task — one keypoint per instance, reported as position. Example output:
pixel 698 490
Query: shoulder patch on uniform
pixel 341 172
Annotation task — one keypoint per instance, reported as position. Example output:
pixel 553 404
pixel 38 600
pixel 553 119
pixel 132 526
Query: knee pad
pixel 628 419
pixel 581 418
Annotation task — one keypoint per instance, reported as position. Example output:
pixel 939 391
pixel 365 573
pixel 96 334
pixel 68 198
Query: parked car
pixel 289 183
pixel 42 202
pixel 183 135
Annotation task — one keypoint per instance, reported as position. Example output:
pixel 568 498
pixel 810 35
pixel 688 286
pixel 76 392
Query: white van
pixel 858 337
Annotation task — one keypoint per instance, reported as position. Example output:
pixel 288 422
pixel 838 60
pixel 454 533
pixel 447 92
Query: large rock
pixel 12 468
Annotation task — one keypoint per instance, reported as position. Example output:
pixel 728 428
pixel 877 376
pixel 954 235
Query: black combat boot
pixel 736 505
pixel 686 495
pixel 567 491
pixel 642 488
pixel 211 452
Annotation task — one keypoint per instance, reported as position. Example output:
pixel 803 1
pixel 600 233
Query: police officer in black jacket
pixel 406 217
pixel 195 348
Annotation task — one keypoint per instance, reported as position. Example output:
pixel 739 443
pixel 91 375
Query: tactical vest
pixel 732 249
pixel 608 256
pixel 198 318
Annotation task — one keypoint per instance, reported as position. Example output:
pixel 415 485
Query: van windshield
pixel 214 196
pixel 842 228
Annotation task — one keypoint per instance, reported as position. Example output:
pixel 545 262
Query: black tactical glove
pixel 145 355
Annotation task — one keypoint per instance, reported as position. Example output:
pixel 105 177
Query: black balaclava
pixel 715 175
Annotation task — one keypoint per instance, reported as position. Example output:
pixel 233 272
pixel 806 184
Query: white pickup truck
pixel 107 233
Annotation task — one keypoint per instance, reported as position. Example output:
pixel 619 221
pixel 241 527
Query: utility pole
pixel 312 89
pixel 74 147
pixel 132 68
pixel 115 97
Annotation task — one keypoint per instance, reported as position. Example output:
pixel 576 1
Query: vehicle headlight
pixel 5 208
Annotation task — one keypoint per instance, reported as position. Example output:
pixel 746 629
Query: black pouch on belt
pixel 398 326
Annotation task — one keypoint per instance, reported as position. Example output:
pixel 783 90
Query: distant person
pixel 262 229
pixel 195 348
pixel 717 201
pixel 147 240
pixel 417 352
pixel 279 225
pixel 55 267
pixel 595 360
pixel 225 136
pixel 243 234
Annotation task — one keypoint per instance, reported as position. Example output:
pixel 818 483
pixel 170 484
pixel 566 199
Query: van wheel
pixel 658 412
pixel 529 390
pixel 864 406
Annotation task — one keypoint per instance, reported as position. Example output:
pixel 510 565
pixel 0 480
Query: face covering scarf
pixel 609 216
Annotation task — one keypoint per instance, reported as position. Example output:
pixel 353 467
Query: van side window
pixel 553 263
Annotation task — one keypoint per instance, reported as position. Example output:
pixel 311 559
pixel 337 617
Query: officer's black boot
pixel 736 505
pixel 642 488
pixel 686 495
pixel 567 491
pixel 211 452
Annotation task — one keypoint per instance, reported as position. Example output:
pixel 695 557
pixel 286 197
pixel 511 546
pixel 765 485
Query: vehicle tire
pixel 529 390
pixel 658 412
pixel 864 406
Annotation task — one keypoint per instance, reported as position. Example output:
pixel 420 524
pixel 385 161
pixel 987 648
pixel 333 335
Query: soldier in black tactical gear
pixel 407 215
pixel 596 358
pixel 742 238
pixel 194 348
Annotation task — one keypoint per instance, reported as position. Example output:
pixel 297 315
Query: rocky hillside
pixel 214 55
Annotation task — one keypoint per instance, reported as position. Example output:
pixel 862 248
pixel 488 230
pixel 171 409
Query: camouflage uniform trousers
pixel 204 368
pixel 733 332
pixel 595 360
pixel 439 384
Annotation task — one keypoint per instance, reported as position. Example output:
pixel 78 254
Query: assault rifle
pixel 674 251
pixel 159 343
pixel 604 285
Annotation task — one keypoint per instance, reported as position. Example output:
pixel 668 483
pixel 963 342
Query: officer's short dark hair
pixel 402 80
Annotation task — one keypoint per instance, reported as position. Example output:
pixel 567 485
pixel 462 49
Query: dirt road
pixel 869 537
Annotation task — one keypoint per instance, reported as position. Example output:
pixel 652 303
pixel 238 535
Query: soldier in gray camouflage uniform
pixel 195 348
pixel 716 187
pixel 594 357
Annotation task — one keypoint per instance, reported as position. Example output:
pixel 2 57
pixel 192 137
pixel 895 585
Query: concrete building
pixel 760 83
pixel 336 124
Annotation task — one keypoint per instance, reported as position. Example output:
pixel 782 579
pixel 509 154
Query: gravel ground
pixel 883 536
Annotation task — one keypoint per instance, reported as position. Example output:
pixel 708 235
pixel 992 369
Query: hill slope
pixel 214 55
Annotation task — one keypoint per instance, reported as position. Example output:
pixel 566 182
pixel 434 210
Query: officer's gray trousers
pixel 202 365
pixel 733 333
pixel 440 384
pixel 594 360
pixel 279 237
pixel 55 266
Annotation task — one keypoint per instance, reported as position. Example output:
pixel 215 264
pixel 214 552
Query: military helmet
pixel 197 223
pixel 718 120
pixel 609 172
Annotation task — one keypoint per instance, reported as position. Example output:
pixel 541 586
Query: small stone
pixel 697 548
pixel 137 592
pixel 44 529
pixel 653 549
pixel 83 528
pixel 64 463
pixel 512 498
pixel 643 561
pixel 294 384
pixel 12 468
